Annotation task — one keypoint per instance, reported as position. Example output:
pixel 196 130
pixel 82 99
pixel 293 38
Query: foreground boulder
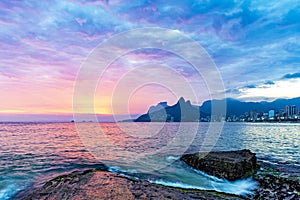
pixel 231 165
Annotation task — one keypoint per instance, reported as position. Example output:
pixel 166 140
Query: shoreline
pixel 102 184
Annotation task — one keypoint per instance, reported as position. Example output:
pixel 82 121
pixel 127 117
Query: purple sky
pixel 254 44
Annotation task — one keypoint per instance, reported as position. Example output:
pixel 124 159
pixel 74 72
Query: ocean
pixel 32 153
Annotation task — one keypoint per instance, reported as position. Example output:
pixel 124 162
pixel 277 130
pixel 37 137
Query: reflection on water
pixel 33 152
pixel 121 143
pixel 279 142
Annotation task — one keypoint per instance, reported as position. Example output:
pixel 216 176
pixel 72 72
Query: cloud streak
pixel 255 45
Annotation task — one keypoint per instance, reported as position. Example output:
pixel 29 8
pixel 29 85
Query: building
pixel 271 114
pixel 287 111
pixel 293 110
pixel 290 111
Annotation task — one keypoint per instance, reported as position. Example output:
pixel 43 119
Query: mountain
pixel 236 107
pixel 181 111
pixel 185 111
pixel 281 103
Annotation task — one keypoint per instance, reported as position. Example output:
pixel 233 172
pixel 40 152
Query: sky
pixel 255 46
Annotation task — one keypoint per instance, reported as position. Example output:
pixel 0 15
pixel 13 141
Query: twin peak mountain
pixel 182 111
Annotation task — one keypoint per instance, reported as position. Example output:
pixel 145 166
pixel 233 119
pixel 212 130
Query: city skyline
pixel 273 115
pixel 255 46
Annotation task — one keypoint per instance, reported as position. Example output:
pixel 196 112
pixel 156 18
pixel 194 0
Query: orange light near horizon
pixel 102 105
pixel 103 111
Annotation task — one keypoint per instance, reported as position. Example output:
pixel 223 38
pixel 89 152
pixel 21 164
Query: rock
pixel 106 185
pixel 231 165
pixel 274 185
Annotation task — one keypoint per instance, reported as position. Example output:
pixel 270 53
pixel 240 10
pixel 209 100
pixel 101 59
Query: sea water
pixel 32 153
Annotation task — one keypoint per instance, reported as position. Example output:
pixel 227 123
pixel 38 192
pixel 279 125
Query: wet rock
pixel 106 185
pixel 231 165
pixel 274 185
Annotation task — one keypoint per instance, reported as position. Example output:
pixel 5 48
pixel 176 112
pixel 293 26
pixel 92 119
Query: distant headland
pixel 280 110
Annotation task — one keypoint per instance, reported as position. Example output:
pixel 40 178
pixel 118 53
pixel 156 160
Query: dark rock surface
pixel 273 187
pixel 275 184
pixel 231 165
pixel 106 185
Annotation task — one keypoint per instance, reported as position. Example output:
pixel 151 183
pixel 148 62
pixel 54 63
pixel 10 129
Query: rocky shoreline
pixel 273 183
pixel 95 184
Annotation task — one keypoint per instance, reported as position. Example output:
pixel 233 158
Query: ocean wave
pixel 129 173
pixel 8 189
pixel 176 184
pixel 172 158
pixel 240 187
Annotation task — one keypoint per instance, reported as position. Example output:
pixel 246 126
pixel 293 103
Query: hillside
pixel 184 111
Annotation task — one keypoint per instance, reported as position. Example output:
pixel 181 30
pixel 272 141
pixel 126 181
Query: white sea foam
pixel 176 184
pixel 172 158
pixel 116 169
pixel 130 173
pixel 9 190
pixel 213 178
pixel 240 187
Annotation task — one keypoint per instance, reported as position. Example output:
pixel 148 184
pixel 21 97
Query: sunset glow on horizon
pixel 255 46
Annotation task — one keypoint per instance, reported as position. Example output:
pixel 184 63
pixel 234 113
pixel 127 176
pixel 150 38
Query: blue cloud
pixel 233 91
pixel 269 83
pixel 291 76
pixel 250 86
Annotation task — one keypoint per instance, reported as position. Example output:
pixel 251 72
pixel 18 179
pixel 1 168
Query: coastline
pixel 102 184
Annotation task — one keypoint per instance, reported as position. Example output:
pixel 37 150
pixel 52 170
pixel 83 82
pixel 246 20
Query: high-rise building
pixel 290 110
pixel 293 110
pixel 287 111
pixel 271 114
